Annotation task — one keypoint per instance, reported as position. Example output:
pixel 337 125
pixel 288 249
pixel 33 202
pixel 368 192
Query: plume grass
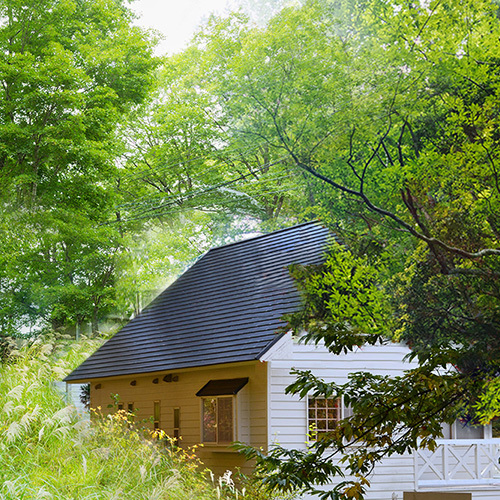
pixel 48 452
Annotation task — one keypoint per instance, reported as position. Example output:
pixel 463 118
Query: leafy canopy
pixel 388 110
pixel 70 71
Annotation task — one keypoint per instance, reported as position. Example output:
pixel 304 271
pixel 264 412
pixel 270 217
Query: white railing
pixel 459 462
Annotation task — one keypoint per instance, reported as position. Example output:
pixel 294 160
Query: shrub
pixel 47 451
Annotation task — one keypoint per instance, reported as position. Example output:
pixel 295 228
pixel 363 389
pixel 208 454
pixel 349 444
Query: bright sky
pixel 177 20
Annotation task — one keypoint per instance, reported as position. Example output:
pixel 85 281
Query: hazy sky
pixel 175 19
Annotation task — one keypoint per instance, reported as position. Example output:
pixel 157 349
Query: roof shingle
pixel 225 308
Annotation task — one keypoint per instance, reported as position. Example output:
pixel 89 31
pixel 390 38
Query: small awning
pixel 224 387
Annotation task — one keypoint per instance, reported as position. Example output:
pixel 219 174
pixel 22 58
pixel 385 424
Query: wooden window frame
pixel 177 422
pixel 217 442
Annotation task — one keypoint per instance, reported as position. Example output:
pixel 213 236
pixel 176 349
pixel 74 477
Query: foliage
pixel 390 111
pixel 70 71
pixel 349 97
pixel 48 451
pixel 183 153
pixel 103 159
pixel 343 304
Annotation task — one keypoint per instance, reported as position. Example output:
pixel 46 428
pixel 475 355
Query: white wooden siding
pixel 288 414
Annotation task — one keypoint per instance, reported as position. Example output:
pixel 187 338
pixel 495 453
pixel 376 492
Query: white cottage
pixel 467 461
pixel 208 363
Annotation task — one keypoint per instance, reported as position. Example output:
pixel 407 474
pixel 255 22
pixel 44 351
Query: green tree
pixel 390 111
pixel 70 71
pixel 183 154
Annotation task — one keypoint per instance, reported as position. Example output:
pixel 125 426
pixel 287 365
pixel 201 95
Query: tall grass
pixel 47 452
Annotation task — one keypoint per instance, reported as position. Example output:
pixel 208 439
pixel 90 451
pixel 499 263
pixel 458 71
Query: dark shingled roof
pixel 226 308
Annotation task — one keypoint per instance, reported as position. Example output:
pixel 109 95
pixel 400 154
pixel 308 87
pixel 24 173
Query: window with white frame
pixel 323 415
pixel 464 430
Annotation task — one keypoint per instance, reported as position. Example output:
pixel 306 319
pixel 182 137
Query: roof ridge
pixel 272 233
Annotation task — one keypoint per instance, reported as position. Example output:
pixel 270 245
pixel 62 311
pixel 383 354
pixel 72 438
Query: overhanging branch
pixel 386 213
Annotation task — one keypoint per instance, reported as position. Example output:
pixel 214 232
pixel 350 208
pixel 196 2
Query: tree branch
pixel 386 213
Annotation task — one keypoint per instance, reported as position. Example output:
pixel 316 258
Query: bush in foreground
pixel 47 451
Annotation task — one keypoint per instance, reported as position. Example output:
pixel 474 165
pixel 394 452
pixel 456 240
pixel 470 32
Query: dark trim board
pixel 223 387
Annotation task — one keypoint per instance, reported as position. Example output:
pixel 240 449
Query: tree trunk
pixel 95 321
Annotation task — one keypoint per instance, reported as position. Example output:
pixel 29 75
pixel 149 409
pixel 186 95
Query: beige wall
pixel 251 413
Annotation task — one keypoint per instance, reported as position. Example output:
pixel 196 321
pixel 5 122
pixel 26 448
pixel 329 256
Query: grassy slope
pixel 46 452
